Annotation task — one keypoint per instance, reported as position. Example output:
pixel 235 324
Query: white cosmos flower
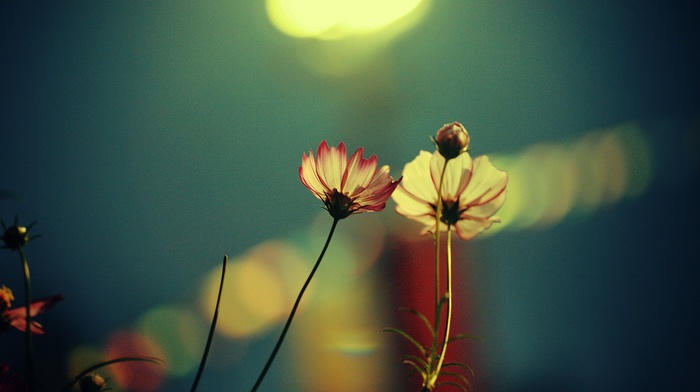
pixel 473 191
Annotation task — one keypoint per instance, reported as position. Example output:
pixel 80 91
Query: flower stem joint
pixel 451 140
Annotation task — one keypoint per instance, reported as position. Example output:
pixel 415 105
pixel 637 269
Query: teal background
pixel 150 138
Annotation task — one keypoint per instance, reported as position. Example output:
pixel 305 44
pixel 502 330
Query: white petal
pixel 409 205
pixel 487 183
pixel 486 210
pixel 468 228
pixel 457 176
pixel 417 179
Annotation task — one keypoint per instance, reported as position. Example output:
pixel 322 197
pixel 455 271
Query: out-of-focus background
pixel 148 139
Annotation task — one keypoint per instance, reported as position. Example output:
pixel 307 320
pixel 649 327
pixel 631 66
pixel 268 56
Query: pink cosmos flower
pixel 473 191
pixel 345 186
pixel 16 317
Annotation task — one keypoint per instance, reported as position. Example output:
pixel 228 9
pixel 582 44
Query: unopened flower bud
pixel 92 383
pixel 16 236
pixel 451 140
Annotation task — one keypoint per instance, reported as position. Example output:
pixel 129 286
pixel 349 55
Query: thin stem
pixel 438 217
pixel 438 307
pixel 448 321
pixel 211 329
pixel 294 309
pixel 28 318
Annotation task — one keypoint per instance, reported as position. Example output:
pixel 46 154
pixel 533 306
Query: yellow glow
pixel 301 18
pixel 371 15
pixel 339 339
pixel 591 172
pixel 561 173
pixel 547 182
pixel 336 19
pixel 259 290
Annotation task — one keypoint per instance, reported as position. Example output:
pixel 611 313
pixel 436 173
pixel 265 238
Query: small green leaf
pixel 461 377
pixel 422 317
pixel 408 337
pixel 463 336
pixel 416 367
pixel 416 359
pixel 471 371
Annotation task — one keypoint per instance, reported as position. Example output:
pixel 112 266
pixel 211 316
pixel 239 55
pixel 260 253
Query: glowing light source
pixel 336 19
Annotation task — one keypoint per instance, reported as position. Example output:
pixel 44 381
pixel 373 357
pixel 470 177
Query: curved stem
pixel 212 328
pixel 28 318
pixel 294 309
pixel 448 321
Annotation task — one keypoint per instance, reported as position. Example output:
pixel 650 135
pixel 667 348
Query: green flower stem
pixel 448 321
pixel 28 318
pixel 211 329
pixel 294 309
pixel 438 307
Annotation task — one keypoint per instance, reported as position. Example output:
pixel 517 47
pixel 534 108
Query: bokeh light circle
pixel 259 289
pixel 179 332
pixel 136 376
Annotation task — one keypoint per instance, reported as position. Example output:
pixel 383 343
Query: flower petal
pixel 485 210
pixel 468 228
pixel 358 174
pixel 477 186
pixel 346 186
pixel 18 318
pixel 330 165
pixel 409 205
pixel 21 324
pixel 417 181
pixel 487 183
pixel 309 176
pixel 378 191
pixel 458 174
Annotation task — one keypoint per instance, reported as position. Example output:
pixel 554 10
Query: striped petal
pixel 346 186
